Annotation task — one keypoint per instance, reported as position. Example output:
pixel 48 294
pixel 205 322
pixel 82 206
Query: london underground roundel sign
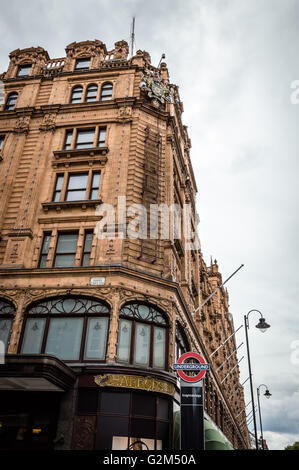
pixel 200 366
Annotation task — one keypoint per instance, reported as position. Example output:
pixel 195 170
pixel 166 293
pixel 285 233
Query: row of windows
pixel 81 65
pixel 79 138
pixel 76 328
pixel 90 95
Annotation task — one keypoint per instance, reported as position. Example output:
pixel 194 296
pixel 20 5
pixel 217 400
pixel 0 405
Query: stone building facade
pixel 93 325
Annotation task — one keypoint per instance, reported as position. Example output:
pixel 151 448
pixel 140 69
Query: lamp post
pixel 267 394
pixel 262 326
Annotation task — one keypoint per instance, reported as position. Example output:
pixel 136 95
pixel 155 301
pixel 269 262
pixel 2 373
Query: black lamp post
pixel 262 326
pixel 267 394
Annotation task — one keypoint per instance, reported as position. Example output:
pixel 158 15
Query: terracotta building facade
pixel 92 325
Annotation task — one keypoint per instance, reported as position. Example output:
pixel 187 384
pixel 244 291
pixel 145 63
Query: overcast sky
pixel 234 61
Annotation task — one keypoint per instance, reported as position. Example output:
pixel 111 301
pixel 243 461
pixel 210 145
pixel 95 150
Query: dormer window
pixel 24 70
pixel 83 64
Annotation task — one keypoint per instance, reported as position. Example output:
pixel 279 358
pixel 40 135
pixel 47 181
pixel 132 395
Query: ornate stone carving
pixel 22 125
pixel 121 50
pixel 156 88
pixel 48 123
pixel 84 432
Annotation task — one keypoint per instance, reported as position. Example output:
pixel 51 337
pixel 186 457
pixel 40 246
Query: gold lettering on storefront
pixel 136 382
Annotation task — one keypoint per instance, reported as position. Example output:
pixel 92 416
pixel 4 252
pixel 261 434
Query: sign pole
pixel 192 416
pixel 192 409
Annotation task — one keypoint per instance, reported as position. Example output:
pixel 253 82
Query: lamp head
pixel 267 394
pixel 262 325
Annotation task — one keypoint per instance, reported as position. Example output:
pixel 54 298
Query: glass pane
pixel 64 261
pixel 143 405
pixel 94 194
pixel 124 340
pixel 82 64
pixel 159 348
pixel 43 261
pixel 88 242
pixel 64 338
pixel 144 428
pixel 67 243
pixel 88 400
pixel 96 180
pixel 78 181
pixel 102 137
pixel 86 259
pixel 115 402
pixel 5 327
pixel 33 337
pixel 142 344
pixel 46 244
pixel 163 408
pixel 24 70
pixel 85 136
pixel 96 338
pixel 75 195
pixel 68 139
pixel 1 141
pixel 56 197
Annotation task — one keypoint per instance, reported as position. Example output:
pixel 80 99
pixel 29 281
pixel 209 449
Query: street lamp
pixel 267 394
pixel 262 326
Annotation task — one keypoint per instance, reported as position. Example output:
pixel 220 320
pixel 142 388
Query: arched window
pixel 181 342
pixel 142 336
pixel 91 93
pixel 76 94
pixel 7 311
pixel 11 101
pixel 70 328
pixel 106 91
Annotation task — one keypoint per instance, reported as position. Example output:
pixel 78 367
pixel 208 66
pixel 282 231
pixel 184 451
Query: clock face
pixel 157 90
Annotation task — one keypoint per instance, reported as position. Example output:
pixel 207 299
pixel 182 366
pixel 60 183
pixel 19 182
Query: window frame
pixel 103 96
pixel 71 136
pixel 7 106
pixel 24 66
pixel 74 88
pixel 65 232
pixel 91 173
pixel 84 334
pixel 2 141
pixel 81 59
pixel 41 254
pixel 7 316
pixel 96 87
pixel 151 342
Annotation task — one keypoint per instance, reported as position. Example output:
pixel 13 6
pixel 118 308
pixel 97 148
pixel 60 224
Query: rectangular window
pixel 64 338
pixel 24 70
pixel 124 341
pixel 76 188
pixel 58 187
pixel 44 250
pixel 142 344
pixel 66 250
pixel 68 139
pixel 85 138
pixel 95 184
pixel 96 338
pixel 102 137
pixel 33 336
pixel 83 64
pixel 87 248
pixel 2 138
pixel 159 348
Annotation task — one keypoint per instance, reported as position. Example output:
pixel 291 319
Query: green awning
pixel 214 440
